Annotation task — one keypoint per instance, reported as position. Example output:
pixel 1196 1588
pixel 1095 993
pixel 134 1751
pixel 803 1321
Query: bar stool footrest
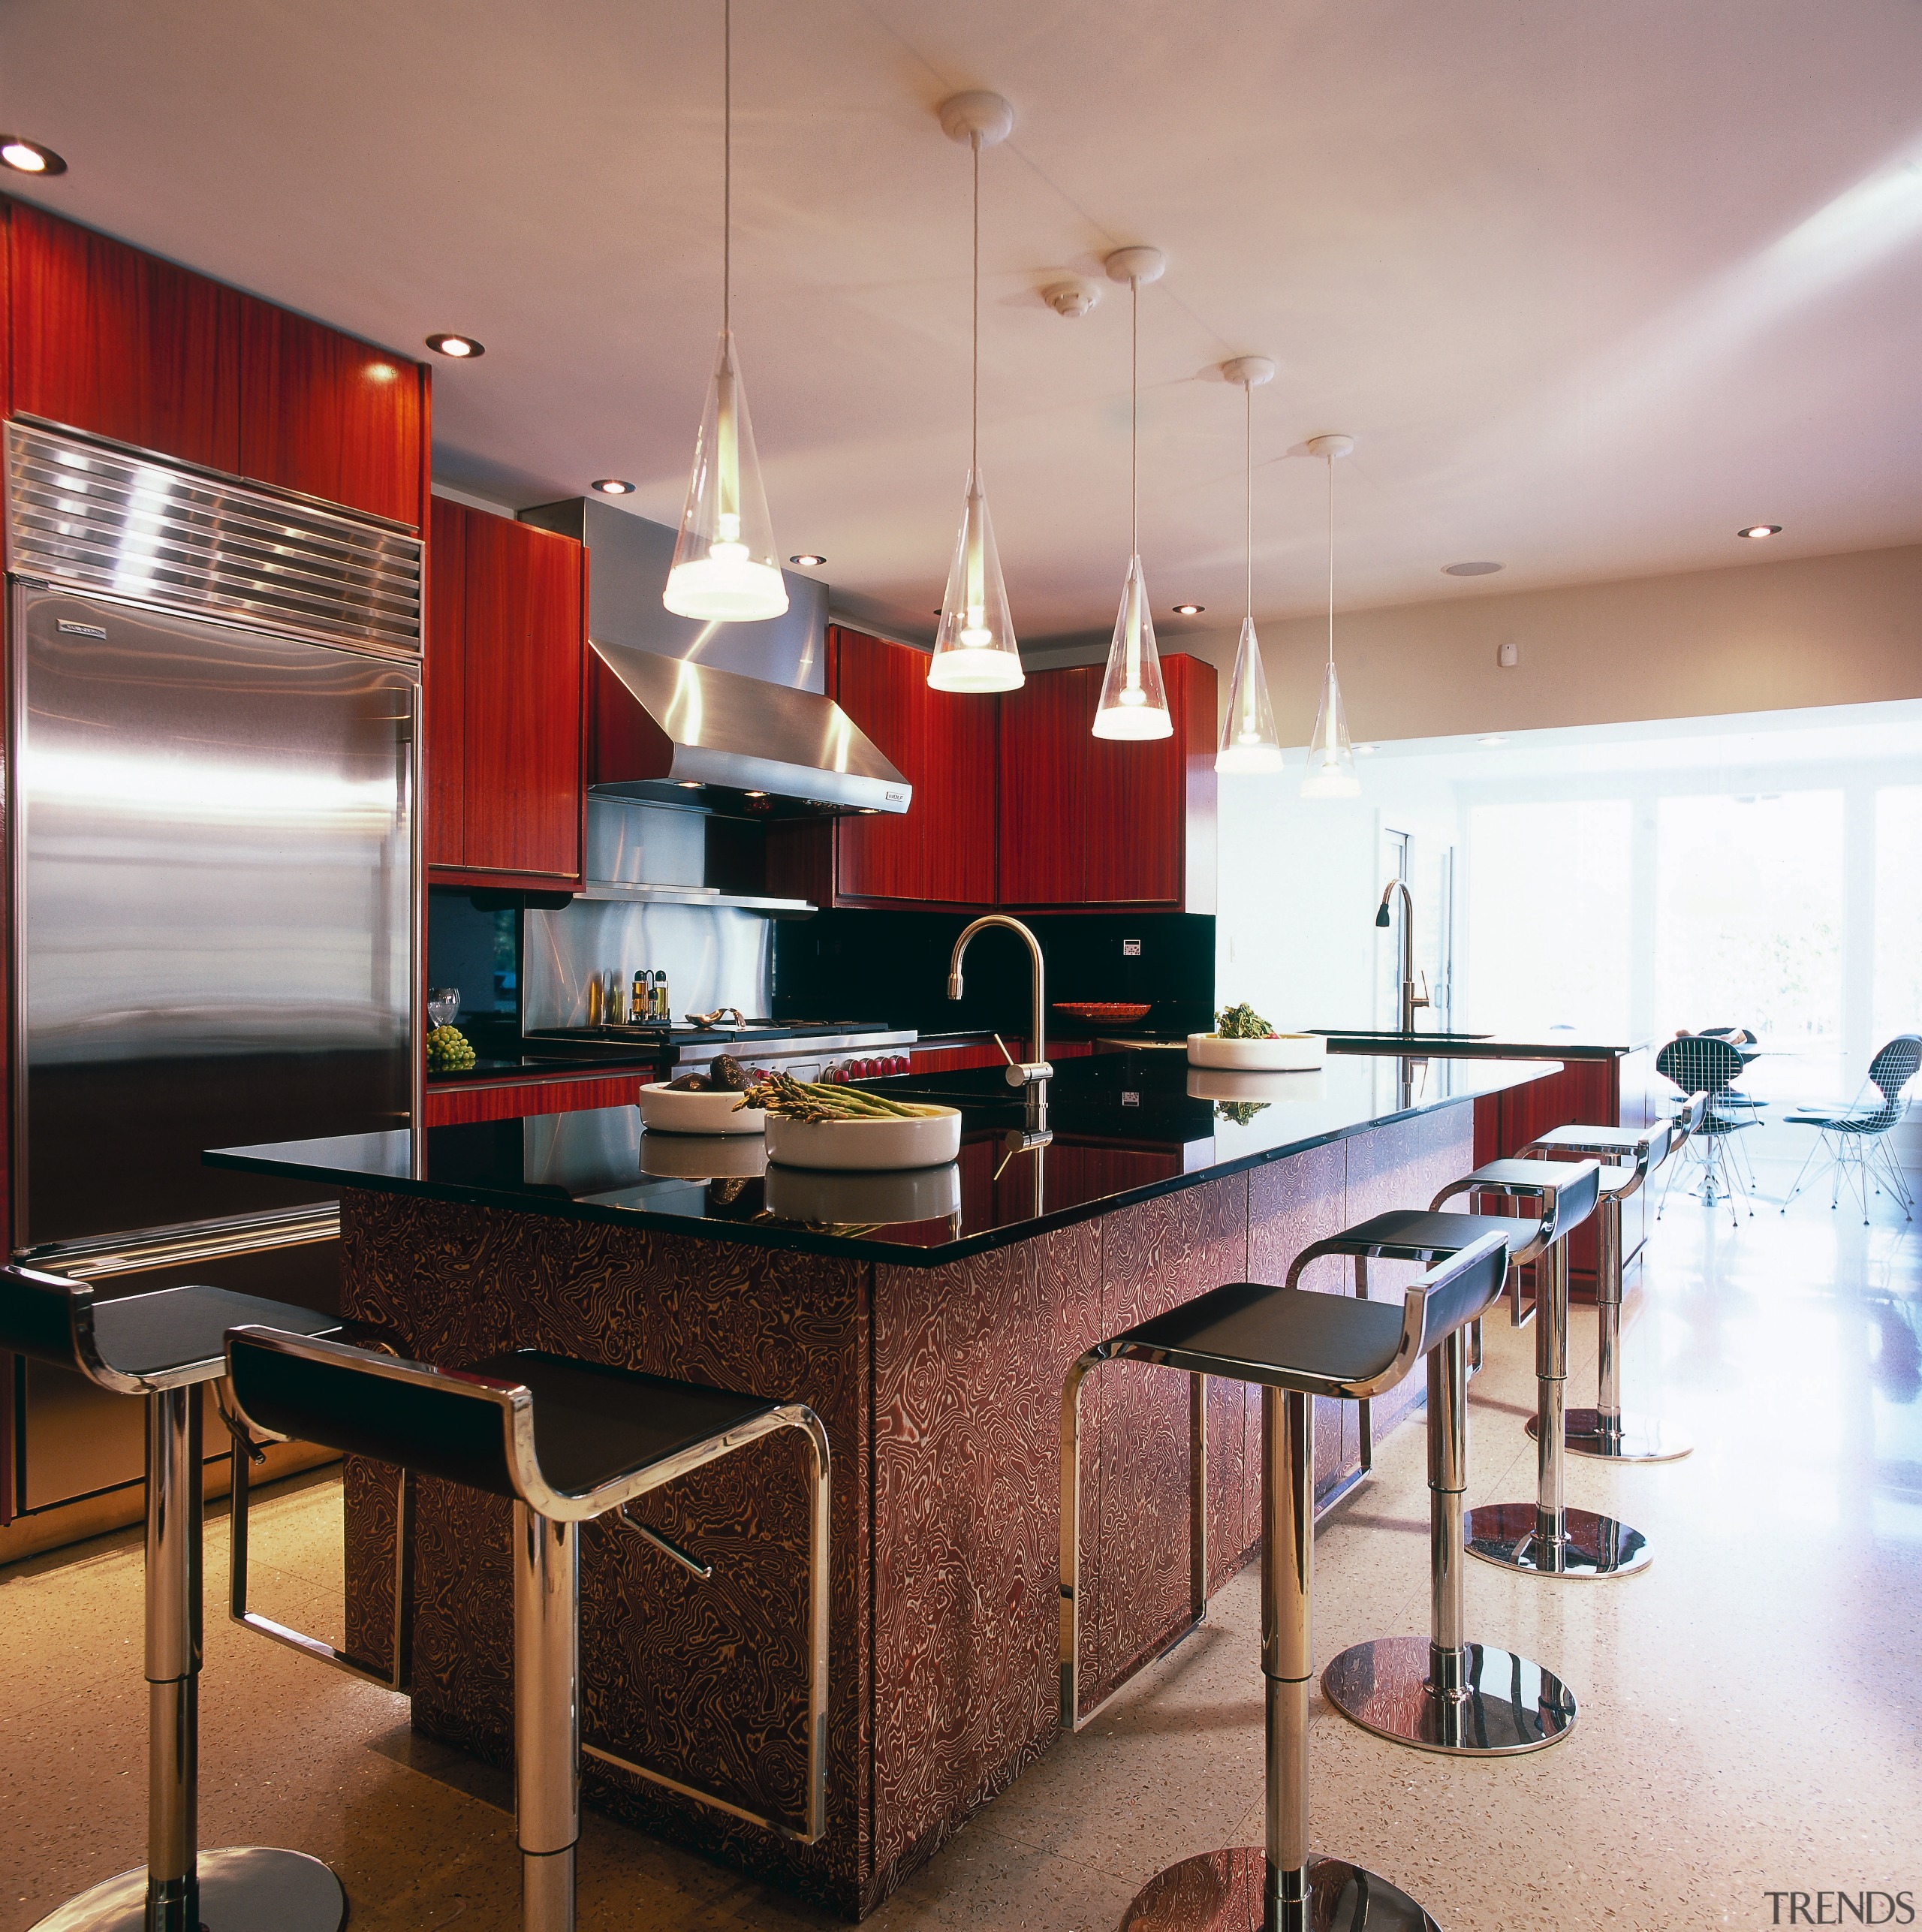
pixel 1632 1438
pixel 243 1889
pixel 1226 1892
pixel 1507 1704
pixel 1592 1546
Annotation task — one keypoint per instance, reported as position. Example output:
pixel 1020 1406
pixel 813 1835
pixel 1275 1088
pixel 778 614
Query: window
pixel 1548 917
pixel 1898 994
pixel 1748 918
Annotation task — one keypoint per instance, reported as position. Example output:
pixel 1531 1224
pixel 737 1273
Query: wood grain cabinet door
pixel 444 748
pixel 942 851
pixel 1136 800
pixel 329 415
pixel 522 667
pixel 108 339
pixel 1044 824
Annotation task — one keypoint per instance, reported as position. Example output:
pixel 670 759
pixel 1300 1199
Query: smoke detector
pixel 1071 298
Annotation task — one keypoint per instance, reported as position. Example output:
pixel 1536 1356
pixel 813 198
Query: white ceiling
pixel 1591 284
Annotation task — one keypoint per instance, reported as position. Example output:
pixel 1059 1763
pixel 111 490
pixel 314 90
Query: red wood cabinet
pixel 329 415
pixel 942 852
pixel 506 651
pixel 107 338
pixel 458 1102
pixel 1044 742
pixel 444 698
pixel 1088 820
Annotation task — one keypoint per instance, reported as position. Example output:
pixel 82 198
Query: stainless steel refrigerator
pixel 212 773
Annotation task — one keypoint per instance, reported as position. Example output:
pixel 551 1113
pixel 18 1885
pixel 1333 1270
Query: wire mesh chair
pixel 1705 1063
pixel 1855 1137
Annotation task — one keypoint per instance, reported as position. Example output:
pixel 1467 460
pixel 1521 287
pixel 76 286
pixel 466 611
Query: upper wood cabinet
pixel 329 415
pixel 1099 821
pixel 1044 785
pixel 109 339
pixel 505 667
pixel 942 851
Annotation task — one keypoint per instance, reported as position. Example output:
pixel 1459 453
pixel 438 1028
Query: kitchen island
pixel 929 1318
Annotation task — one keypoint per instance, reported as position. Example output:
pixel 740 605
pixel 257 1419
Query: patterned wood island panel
pixel 941 1390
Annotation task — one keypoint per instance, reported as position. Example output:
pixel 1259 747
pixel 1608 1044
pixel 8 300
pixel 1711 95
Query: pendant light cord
pixel 1248 482
pixel 727 164
pixel 975 441
pixel 1331 561
pixel 1133 407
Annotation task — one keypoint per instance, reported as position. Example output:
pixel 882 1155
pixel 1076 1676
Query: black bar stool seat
pixel 163 1346
pixel 566 1442
pixel 1295 1344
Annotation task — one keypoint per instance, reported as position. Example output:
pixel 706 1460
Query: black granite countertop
pixel 1127 1126
pixel 1467 1046
pixel 552 1066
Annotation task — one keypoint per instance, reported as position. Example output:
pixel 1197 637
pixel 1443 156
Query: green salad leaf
pixel 1243 1023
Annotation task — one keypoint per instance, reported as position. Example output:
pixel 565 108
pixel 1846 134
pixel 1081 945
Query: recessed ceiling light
pixel 462 348
pixel 754 794
pixel 1364 747
pixel 1480 566
pixel 1495 741
pixel 1761 530
pixel 1189 610
pixel 688 784
pixel 611 486
pixel 26 157
pixel 808 560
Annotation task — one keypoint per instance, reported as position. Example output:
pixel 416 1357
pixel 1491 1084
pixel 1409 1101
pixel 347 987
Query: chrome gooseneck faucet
pixel 1410 999
pixel 1032 1074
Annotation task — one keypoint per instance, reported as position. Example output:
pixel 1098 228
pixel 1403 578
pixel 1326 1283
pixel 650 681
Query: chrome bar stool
pixel 1442 1692
pixel 1633 1154
pixel 164 1345
pixel 566 1442
pixel 1296 1344
pixel 1546 1536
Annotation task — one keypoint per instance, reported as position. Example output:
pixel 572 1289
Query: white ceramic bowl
pixel 1236 1084
pixel 1286 1052
pixel 923 1140
pixel 703 1156
pixel 909 1194
pixel 664 1111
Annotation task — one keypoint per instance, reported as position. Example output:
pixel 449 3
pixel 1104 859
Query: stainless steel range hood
pixel 724 718
pixel 667 725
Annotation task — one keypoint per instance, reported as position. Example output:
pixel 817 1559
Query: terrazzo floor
pixel 1751 1707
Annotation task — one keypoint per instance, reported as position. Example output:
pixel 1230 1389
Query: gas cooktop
pixel 656 1032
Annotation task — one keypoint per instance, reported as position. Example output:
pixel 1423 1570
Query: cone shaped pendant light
pixel 974 649
pixel 1330 756
pixel 1249 742
pixel 726 567
pixel 1133 703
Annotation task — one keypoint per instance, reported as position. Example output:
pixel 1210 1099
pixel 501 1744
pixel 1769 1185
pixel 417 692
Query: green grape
pixel 448 1050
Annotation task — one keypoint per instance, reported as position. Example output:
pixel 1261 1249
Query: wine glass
pixel 443 1003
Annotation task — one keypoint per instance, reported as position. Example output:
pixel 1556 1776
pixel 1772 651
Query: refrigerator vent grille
pixel 97 519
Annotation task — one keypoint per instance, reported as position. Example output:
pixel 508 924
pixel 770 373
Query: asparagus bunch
pixel 817 1100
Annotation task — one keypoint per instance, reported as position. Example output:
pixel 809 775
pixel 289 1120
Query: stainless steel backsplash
pixel 713 955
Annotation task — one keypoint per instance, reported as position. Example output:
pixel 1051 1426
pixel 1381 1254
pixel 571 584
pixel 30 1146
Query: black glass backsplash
pixel 861 964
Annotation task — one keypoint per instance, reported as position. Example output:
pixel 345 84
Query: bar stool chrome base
pixel 243 1889
pixel 1226 1891
pixel 1507 1705
pixel 1623 1439
pixel 1590 1546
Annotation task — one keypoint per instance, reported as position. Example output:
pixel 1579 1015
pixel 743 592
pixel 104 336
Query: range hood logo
pixel 82 630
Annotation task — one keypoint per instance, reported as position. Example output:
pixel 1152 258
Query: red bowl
pixel 1103 1009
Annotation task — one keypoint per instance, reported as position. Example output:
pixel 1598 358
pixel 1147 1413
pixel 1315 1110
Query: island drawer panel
pixel 453 1105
